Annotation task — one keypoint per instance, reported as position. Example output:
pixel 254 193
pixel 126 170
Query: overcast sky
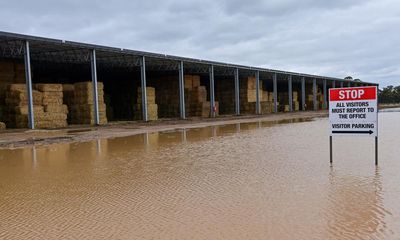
pixel 360 38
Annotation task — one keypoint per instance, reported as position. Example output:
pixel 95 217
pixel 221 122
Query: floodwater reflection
pixel 356 208
pixel 257 180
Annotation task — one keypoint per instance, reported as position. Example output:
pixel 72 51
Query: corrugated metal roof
pixel 69 51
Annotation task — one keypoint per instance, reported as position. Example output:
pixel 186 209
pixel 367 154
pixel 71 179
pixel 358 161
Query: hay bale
pixel 48 87
pixel 20 98
pixel 52 101
pixel 16 87
pixel 25 110
pixel 53 95
pixel 150 91
pixel 195 81
pixel 152 111
pixel 84 86
pixel 52 124
pixel 188 81
pixel 47 116
pixel 56 108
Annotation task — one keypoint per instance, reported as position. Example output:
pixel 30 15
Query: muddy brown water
pixel 241 181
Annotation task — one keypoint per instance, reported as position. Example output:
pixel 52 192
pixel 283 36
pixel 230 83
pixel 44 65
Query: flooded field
pixel 241 181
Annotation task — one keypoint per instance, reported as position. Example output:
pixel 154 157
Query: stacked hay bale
pixel 284 100
pixel 296 103
pixel 309 98
pixel 152 107
pixel 247 94
pixel 48 108
pixel 81 103
pixel 167 95
pixel 55 112
pixel 10 72
pixel 196 103
pixel 248 97
pixel 16 110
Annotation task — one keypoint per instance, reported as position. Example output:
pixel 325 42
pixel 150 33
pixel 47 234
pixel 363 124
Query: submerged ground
pixel 258 180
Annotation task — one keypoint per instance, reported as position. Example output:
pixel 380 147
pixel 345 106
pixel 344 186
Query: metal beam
pixel 315 94
pixel 290 92
pixel 275 89
pixel 144 88
pixel 237 92
pixel 212 92
pixel 325 95
pixel 258 110
pixel 182 91
pixel 303 93
pixel 28 79
pixel 95 90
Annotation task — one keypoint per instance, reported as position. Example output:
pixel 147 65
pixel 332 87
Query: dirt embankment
pixel 389 105
pixel 23 138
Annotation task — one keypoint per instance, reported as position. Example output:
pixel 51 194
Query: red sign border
pixel 336 89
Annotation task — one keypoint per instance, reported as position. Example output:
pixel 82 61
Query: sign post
pixel 353 111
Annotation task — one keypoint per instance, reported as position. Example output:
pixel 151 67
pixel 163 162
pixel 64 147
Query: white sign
pixel 353 111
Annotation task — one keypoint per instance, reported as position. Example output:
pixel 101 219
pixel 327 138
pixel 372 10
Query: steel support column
pixel 315 94
pixel 333 84
pixel 143 87
pixel 182 91
pixel 258 110
pixel 325 95
pixel 341 84
pixel 212 92
pixel 303 93
pixel 275 89
pixel 290 92
pixel 349 84
pixel 237 92
pixel 28 79
pixel 94 84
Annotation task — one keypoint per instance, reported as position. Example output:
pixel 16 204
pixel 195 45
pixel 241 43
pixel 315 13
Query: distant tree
pixel 357 80
pixel 389 94
pixel 349 78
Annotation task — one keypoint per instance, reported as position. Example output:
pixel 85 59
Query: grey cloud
pixel 334 38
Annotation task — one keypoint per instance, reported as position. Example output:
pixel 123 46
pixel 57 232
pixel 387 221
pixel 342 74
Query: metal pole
pixel 95 90
pixel 258 110
pixel 349 84
pixel 303 93
pixel 333 84
pixel 315 94
pixel 325 95
pixel 182 91
pixel 28 79
pixel 237 92
pixel 143 87
pixel 376 151
pixel 341 84
pixel 275 87
pixel 212 93
pixel 330 150
pixel 290 92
